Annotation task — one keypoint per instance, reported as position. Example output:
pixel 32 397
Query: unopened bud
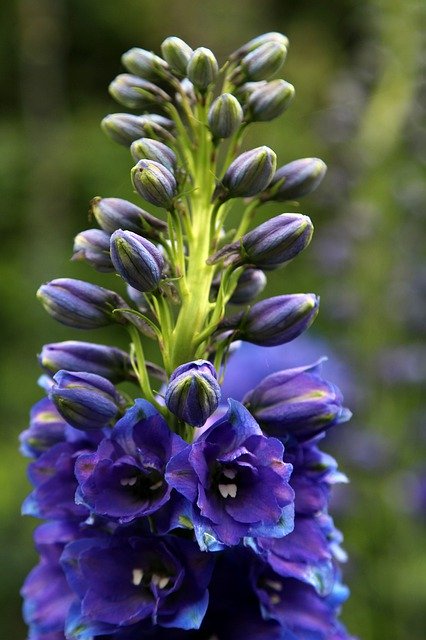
pixel 145 64
pixel 46 429
pixel 260 63
pixel 124 128
pixel 250 284
pixel 149 149
pixel 269 101
pixel 225 116
pixel 277 240
pixel 92 246
pixel 296 179
pixel 297 403
pixel 251 45
pixel 177 54
pixel 114 213
pixel 202 68
pixel 79 304
pixel 136 260
pixel 85 400
pixel 154 183
pixel 135 93
pixel 73 355
pixel 278 320
pixel 193 392
pixel 248 174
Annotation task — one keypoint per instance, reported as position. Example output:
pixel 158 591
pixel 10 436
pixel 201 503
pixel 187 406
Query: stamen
pixel 137 577
pixel 229 473
pixel 160 581
pixel 274 584
pixel 128 482
pixel 155 486
pixel 228 490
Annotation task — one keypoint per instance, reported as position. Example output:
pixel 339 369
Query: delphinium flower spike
pixel 171 513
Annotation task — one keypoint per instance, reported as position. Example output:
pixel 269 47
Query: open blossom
pixel 127 578
pixel 236 477
pixel 124 477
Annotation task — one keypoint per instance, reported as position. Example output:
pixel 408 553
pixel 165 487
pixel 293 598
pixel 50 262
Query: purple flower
pixel 52 475
pixel 296 403
pixel 124 478
pixel 298 607
pixel 125 579
pixel 47 596
pixel 236 479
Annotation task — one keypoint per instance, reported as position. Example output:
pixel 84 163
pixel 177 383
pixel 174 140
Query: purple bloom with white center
pixel 124 478
pixel 126 578
pixel 236 479
pixel 296 403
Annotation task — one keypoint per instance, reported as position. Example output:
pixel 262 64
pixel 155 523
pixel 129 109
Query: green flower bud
pixel 154 183
pixel 261 63
pixel 202 68
pixel 154 150
pixel 253 44
pixel 177 54
pixel 249 174
pixel 295 179
pixel 92 246
pixel 145 64
pixel 124 128
pixel 225 116
pixel 269 101
pixel 135 93
pixel 115 213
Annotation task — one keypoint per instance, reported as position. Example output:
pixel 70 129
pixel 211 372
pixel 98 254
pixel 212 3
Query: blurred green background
pixel 360 86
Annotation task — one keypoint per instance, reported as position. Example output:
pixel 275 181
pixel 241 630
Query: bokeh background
pixel 360 84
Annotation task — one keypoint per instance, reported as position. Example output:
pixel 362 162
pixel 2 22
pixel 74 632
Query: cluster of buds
pixel 153 498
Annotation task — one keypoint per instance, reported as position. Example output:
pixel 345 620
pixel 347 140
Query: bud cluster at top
pixel 138 483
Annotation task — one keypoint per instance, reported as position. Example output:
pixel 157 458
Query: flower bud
pixel 114 213
pixel 145 64
pixel 225 116
pixel 135 93
pixel 193 392
pixel 253 44
pixel 85 400
pixel 92 246
pixel 79 304
pixel 260 63
pixel 149 149
pixel 154 183
pixel 269 101
pixel 295 179
pixel 250 284
pixel 297 402
pixel 202 68
pixel 72 355
pixel 177 54
pixel 248 174
pixel 46 429
pixel 124 128
pixel 279 319
pixel 277 240
pixel 136 260
pixel 269 245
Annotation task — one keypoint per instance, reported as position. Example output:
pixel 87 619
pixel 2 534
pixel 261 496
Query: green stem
pixel 141 370
pixel 246 219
